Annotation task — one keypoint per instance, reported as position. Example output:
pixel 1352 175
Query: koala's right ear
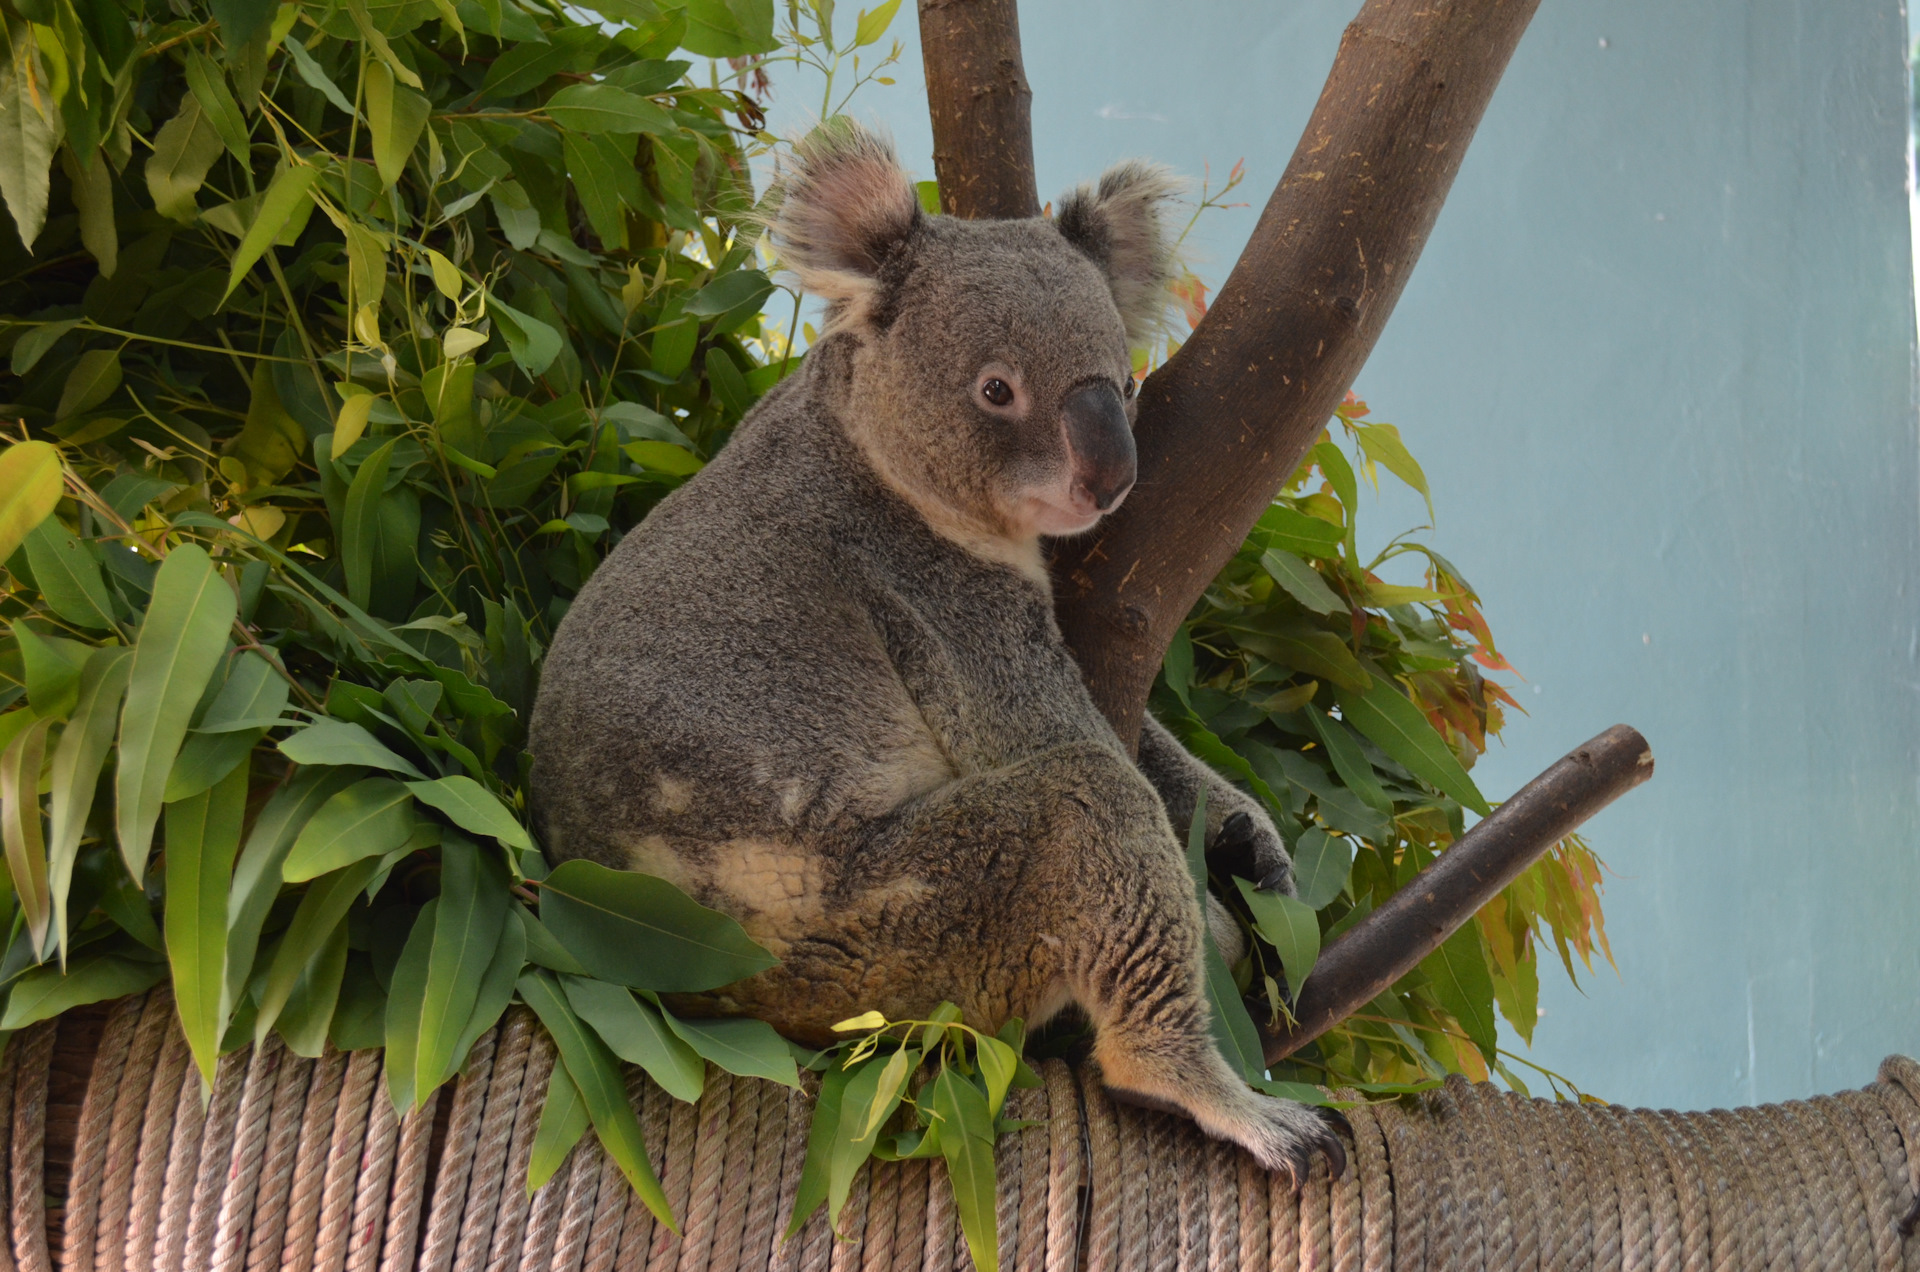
pixel 837 214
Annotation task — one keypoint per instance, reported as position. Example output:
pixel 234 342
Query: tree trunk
pixel 1229 417
pixel 981 108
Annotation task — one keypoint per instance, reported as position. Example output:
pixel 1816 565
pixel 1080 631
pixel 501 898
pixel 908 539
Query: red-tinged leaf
pixel 1493 660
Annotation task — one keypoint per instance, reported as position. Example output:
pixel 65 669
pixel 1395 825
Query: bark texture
pixel 981 106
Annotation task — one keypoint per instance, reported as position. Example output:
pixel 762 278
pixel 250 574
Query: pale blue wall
pixel 1658 363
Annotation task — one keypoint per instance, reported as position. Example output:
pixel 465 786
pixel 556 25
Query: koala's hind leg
pixel 1059 880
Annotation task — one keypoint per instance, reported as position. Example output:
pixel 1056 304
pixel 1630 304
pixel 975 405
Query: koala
pixel 821 688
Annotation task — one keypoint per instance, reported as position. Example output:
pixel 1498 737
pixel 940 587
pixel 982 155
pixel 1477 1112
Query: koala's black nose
pixel 1102 444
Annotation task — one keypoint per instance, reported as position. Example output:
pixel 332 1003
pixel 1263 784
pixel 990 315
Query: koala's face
pixel 991 380
pixel 999 378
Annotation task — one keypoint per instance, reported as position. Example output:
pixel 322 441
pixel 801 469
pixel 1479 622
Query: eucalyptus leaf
pixel 638 930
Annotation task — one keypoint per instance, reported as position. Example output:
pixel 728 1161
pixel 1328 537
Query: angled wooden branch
pixel 1377 951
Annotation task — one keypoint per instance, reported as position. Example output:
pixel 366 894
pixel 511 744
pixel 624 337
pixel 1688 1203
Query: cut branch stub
pixel 1377 951
pixel 981 108
pixel 1230 416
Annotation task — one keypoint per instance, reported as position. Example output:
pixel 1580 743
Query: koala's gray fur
pixel 821 687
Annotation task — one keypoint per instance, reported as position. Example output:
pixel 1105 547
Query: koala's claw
pixel 1247 847
pixel 1327 1142
pixel 1277 879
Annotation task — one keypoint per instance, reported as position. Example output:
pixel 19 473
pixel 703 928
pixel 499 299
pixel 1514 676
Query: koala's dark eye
pixel 1133 387
pixel 998 392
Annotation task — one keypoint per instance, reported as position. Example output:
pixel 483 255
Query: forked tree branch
pixel 1229 417
pixel 981 106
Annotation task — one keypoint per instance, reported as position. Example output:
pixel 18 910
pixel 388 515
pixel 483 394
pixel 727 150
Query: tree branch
pixel 1229 417
pixel 1377 951
pixel 981 106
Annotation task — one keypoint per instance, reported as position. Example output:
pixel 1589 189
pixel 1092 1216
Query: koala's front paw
pixel 1296 1133
pixel 1251 848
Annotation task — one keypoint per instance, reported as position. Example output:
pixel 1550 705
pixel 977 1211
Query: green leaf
pixel 928 193
pixel 999 1065
pixel 1349 761
pixel 209 88
pixel 1233 1029
pixel 605 178
pixel 749 1048
pixel 1458 973
pixel 338 742
pixel 543 947
pixel 181 642
pixel 77 761
pixel 30 129
pixel 597 1074
pixel 206 758
pixel 309 70
pixel 1302 582
pixel 864 1107
pixel 406 996
pixel 1305 648
pixel 27 352
pixel 322 910
pixel 1290 926
pixel 395 118
pixel 30 486
pixel 472 807
pixel 966 1141
pixel 1321 863
pixel 361 524
pixel 203 834
pixel 1177 666
pixel 664 457
pixel 371 818
pixel 563 1120
pixel 241 20
pixel 496 986
pixel 603 108
pixel 20 825
pixel 637 930
pixel 91 182
pixel 1292 531
pixel 92 381
pixel 256 880
pixel 473 907
pixel 51 668
pixel 821 1137
pixel 68 576
pixel 183 151
pixel 291 190
pixel 729 28
pixel 737 289
pixel 533 344
pixel 874 24
pixel 1383 446
pixel 43 992
pixel 307 1018
pixel 638 1035
pixel 1400 729
pixel 254 696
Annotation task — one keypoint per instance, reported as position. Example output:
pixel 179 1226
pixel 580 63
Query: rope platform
pixel 300 1165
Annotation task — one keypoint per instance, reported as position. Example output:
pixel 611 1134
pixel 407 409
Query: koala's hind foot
pixel 1281 1135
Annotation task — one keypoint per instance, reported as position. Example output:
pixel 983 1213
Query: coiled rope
pixel 300 1165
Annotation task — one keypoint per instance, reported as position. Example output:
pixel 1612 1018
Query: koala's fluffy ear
pixel 1117 224
pixel 838 212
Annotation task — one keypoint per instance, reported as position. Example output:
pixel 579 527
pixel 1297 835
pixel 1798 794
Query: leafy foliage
pixel 297 501
pixel 1354 708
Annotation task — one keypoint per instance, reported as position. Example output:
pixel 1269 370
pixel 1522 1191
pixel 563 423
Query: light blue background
pixel 1658 363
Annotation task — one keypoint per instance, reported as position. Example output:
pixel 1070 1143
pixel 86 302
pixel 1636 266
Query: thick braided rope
pixel 88 1181
pixel 135 1099
pixel 309 1167
pixel 9 1069
pixel 268 1227
pixel 232 1206
pixel 1465 1177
